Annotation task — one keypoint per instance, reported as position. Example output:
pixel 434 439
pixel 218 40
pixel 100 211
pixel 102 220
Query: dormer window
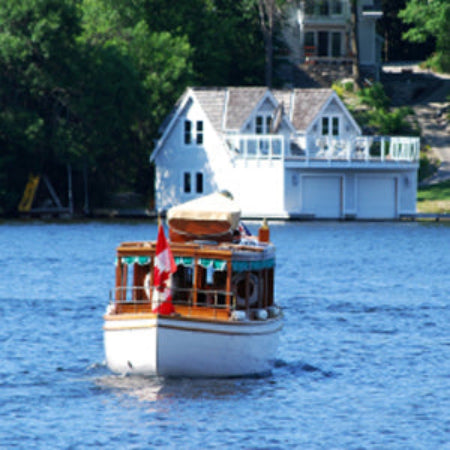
pixel 330 126
pixel 263 124
pixel 193 135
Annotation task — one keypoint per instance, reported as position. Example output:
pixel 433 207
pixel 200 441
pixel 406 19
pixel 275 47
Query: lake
pixel 363 362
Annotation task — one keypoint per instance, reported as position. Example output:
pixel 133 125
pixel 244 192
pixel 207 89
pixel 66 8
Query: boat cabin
pixel 226 281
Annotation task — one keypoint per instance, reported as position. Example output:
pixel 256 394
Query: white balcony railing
pixel 356 149
pixel 365 148
pixel 256 146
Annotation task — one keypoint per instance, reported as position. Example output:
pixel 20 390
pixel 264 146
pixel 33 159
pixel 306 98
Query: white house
pixel 282 154
pixel 325 33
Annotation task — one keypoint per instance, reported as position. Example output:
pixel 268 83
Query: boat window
pixel 182 281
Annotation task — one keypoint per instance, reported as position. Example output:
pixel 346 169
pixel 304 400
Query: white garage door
pixel 321 196
pixel 376 198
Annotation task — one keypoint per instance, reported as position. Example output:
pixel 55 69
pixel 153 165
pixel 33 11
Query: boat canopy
pixel 215 207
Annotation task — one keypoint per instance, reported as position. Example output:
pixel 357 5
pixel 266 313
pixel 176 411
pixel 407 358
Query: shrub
pixel 374 96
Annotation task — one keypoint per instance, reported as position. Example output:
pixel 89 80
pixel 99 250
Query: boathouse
pixel 282 154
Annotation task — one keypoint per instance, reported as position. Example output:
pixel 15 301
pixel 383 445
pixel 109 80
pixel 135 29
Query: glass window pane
pixel 259 125
pixel 199 138
pixel 325 127
pixel 336 44
pixel 309 39
pixel 187 183
pixel 199 182
pixel 337 7
pixel 268 124
pixel 323 8
pixel 187 132
pixel 335 126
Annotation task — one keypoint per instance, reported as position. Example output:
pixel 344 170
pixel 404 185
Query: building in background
pixel 294 153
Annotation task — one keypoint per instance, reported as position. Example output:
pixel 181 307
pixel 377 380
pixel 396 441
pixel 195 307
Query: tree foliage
pixel 378 117
pixel 430 18
pixel 88 82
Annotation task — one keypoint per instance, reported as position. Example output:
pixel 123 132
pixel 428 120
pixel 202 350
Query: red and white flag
pixel 164 267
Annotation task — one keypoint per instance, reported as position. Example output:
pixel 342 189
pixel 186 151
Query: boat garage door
pixel 321 196
pixel 376 197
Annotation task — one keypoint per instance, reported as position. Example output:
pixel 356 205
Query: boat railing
pixel 189 297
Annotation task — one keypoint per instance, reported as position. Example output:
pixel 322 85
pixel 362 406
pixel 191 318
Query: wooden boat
pixel 223 319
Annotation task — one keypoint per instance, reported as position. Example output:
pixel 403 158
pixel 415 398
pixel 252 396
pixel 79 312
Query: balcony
pixel 357 150
pixel 257 146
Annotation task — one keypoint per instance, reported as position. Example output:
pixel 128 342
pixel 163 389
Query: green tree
pixel 159 60
pixel 37 49
pixel 430 18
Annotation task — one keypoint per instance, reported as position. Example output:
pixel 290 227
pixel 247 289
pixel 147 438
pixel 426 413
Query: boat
pixel 200 304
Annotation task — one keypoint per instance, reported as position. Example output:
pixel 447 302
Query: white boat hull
pixel 167 346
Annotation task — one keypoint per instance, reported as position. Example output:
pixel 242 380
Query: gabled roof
pixel 228 108
pixel 212 101
pixel 307 105
pixel 241 102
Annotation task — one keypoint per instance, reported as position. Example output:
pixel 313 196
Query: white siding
pixel 258 187
pixel 177 158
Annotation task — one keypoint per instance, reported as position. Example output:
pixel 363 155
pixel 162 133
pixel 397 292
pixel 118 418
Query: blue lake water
pixel 364 357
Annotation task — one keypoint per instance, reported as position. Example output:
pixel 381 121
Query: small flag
pixel 164 267
pixel 243 230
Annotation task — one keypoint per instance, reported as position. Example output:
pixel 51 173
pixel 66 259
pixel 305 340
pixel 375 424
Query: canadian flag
pixel 164 267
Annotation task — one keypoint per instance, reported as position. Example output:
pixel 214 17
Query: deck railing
pixel 358 149
pixel 257 146
pixel 212 298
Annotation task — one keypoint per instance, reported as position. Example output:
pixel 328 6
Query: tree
pixel 354 42
pixel 391 27
pixel 269 13
pixel 37 50
pixel 430 18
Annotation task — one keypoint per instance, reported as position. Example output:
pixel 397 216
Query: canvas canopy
pixel 214 213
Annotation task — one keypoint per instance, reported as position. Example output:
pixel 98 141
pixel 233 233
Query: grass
pixel 434 198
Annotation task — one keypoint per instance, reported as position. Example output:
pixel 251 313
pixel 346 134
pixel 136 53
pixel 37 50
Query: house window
pixel 263 124
pixel 322 44
pixel 335 126
pixel 259 125
pixel 310 46
pixel 325 126
pixel 330 126
pixel 337 7
pixel 309 7
pixel 199 182
pixel 187 132
pixel 199 132
pixel 187 184
pixel 336 44
pixel 324 9
pixel 189 136
pixel 188 178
